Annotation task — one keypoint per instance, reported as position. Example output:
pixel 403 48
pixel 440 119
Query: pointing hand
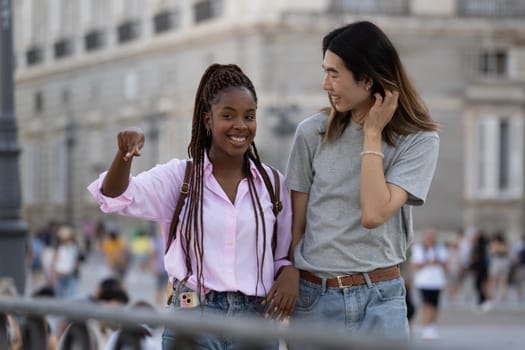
pixel 130 141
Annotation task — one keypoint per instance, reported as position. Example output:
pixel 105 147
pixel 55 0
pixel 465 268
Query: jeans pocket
pixel 309 295
pixel 391 289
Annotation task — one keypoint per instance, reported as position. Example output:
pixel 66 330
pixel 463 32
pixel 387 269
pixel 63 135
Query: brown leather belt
pixel 377 275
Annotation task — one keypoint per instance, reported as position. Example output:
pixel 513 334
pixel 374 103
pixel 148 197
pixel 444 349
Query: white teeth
pixel 238 139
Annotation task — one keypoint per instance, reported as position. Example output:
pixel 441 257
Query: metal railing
pixel 252 332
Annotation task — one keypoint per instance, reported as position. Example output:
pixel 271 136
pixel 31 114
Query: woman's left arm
pixel 281 298
pixel 379 199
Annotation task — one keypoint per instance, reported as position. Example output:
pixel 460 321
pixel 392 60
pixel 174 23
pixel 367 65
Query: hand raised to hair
pixel 381 112
pixel 130 141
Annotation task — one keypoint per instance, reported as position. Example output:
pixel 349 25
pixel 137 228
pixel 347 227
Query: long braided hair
pixel 215 79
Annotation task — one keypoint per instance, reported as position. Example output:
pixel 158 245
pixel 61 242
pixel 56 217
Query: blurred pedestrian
pixel 89 231
pixel 429 259
pixel 35 249
pixel 455 269
pixel 13 331
pixel 98 332
pixel 225 250
pixel 52 322
pixel 141 248
pixel 116 254
pixel 107 290
pixel 518 259
pixel 479 266
pixel 499 268
pixel 65 263
pixel 117 341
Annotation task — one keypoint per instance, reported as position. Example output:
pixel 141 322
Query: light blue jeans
pixel 227 304
pixel 376 312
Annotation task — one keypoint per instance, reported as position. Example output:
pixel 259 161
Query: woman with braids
pixel 355 171
pixel 223 255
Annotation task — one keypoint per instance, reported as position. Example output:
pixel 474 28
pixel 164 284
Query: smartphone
pixel 188 299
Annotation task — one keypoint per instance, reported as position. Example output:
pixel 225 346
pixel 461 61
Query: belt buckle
pixel 340 282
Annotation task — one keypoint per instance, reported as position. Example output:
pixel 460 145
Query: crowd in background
pixel 472 267
pixel 56 254
pixel 437 268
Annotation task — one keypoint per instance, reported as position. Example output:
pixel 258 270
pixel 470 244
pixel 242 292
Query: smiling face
pixel 232 123
pixel 346 94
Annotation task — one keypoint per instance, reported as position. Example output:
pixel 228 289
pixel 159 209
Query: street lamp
pixel 12 229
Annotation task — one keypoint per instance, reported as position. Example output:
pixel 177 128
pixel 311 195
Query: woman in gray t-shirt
pixel 355 171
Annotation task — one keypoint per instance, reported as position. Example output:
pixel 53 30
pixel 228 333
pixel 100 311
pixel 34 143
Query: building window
pixel 390 7
pixel 38 102
pixel 164 21
pixel 127 31
pixel 207 9
pixel 491 8
pixel 493 63
pixel 94 40
pixel 63 48
pixel 34 56
pixel 498 170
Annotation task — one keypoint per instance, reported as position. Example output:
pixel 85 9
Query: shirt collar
pixel 208 167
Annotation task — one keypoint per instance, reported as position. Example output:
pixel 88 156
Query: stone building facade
pixel 88 68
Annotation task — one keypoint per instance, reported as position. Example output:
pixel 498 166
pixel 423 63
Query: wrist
pixel 283 268
pixel 372 132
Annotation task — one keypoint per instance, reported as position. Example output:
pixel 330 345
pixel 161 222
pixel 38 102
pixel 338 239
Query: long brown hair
pixel 215 79
pixel 368 53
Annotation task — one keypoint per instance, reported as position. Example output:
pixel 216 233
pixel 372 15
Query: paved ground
pixel 461 327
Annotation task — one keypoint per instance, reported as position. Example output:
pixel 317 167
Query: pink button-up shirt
pixel 230 254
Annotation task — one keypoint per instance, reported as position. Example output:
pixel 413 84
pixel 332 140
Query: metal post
pixel 12 229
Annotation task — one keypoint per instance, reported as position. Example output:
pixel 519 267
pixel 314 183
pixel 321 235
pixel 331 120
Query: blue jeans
pixel 66 286
pixel 377 311
pixel 226 304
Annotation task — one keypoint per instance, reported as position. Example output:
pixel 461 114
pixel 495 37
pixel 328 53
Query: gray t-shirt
pixel 335 243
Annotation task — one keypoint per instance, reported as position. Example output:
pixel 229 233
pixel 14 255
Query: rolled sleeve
pixel 110 204
pixel 150 195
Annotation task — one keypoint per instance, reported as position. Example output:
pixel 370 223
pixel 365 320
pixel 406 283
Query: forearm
pixel 117 178
pixel 299 204
pixel 374 192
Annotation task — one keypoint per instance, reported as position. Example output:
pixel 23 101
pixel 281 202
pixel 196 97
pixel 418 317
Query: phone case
pixel 188 299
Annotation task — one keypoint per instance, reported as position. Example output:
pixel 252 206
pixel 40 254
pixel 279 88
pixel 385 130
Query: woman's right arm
pixel 130 141
pixel 299 204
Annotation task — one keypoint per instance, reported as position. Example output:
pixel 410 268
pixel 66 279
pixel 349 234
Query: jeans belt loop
pixel 323 286
pixel 368 280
